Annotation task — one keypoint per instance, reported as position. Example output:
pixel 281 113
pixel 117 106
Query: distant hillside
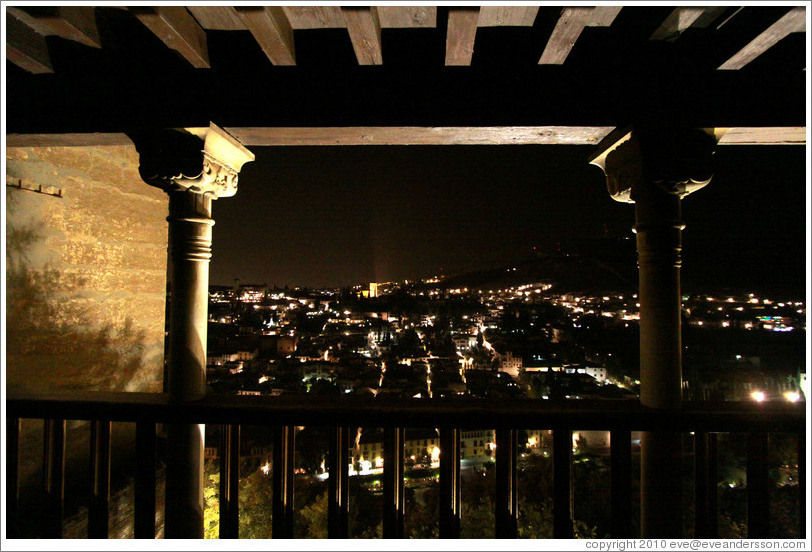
pixel 571 272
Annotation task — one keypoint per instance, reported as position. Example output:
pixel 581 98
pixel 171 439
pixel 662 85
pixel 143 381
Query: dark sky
pixel 330 216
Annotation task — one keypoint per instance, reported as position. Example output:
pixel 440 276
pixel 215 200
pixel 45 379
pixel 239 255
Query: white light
pixel 792 396
pixel 757 396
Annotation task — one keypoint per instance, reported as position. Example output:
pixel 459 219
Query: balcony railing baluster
pixel 13 475
pixel 283 451
pixel 144 526
pixel 802 484
pixel 713 485
pixel 449 483
pixel 148 409
pixel 393 493
pixel 338 488
pixel 53 463
pixel 229 452
pixel 620 449
pixel 562 483
pixel 100 448
pixel 506 485
pixel 701 485
pixel 758 526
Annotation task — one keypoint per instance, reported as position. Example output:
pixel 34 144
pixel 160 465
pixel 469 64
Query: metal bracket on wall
pixel 39 188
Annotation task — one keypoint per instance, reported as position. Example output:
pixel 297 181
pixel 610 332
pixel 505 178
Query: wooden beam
pixel 217 18
pixel 404 17
pixel 76 23
pixel 603 16
pixel 178 30
pixel 365 33
pixel 459 44
pixel 315 17
pixel 685 17
pixel 413 136
pixel 507 16
pixel 271 30
pixel 709 16
pixel 763 136
pixel 26 48
pixel 75 139
pixel 794 21
pixel 568 28
pixel 416 136
pixel 565 34
pixel 677 22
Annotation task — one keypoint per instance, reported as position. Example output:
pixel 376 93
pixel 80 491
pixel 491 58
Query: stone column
pixel 655 169
pixel 194 166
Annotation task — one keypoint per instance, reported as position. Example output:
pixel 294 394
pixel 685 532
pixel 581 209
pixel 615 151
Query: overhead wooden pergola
pixel 275 75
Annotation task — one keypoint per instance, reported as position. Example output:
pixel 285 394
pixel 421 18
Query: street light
pixel 792 396
pixel 757 396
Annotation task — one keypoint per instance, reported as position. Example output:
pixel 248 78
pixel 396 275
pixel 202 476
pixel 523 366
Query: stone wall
pixel 86 272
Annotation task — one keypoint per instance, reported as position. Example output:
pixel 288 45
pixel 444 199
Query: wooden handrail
pixel 461 413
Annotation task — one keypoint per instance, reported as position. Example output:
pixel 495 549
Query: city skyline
pixel 331 217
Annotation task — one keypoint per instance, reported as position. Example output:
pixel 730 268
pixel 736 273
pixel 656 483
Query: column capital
pixel 202 160
pixel 641 160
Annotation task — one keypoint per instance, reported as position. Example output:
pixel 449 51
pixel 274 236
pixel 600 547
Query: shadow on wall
pixel 56 340
pixel 53 341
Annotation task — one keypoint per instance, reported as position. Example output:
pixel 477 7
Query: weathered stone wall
pixel 86 273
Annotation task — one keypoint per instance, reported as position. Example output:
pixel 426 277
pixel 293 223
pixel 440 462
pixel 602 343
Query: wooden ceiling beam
pixel 762 136
pixel 271 29
pixel 460 36
pixel 364 27
pixel 677 22
pixel 603 16
pixel 405 17
pixel 400 136
pixel 507 16
pixel 685 17
pixel 568 29
pixel 76 23
pixel 709 16
pixel 413 136
pixel 794 21
pixel 565 34
pixel 26 48
pixel 315 17
pixel 217 18
pixel 176 28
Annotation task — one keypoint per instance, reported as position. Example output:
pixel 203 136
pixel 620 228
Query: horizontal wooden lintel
pixel 415 136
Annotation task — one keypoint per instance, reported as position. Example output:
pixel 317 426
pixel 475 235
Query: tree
pixel 313 517
pixel 211 498
pixel 256 506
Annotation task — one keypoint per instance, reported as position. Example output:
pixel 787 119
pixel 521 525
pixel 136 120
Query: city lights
pixel 758 396
pixel 792 396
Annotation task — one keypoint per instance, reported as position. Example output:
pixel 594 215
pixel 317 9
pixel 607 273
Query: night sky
pixel 335 216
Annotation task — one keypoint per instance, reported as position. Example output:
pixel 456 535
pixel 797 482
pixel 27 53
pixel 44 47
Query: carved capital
pixel 642 161
pixel 203 160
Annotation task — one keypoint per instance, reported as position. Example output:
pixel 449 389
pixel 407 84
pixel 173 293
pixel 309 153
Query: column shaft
pixel 659 244
pixel 190 230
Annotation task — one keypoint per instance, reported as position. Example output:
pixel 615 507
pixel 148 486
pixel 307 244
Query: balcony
pixel 759 421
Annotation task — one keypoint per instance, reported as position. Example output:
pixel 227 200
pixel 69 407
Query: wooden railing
pixel 450 416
